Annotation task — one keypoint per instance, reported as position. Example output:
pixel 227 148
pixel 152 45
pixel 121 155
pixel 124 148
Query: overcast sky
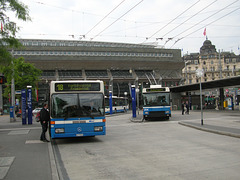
pixel 177 24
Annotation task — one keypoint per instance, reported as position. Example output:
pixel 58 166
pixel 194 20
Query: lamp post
pixel 200 73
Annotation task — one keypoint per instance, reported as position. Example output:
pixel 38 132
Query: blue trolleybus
pixel 156 102
pixel 77 108
pixel 119 104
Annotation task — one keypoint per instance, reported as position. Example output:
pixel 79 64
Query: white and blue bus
pixel 156 102
pixel 77 109
pixel 119 104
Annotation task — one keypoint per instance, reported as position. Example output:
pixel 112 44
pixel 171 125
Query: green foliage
pixel 8 33
pixel 24 74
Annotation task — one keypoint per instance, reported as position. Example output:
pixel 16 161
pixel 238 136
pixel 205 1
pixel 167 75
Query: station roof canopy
pixel 227 82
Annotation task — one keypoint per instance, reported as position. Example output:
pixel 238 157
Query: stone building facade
pixel 216 65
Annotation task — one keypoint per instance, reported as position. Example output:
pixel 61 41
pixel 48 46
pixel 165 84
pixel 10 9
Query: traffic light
pixel 1 79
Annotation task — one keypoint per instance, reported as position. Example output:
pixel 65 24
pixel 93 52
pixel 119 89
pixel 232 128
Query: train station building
pixel 119 65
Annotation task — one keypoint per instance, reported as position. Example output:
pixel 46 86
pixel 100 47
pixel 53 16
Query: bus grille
pixel 157 114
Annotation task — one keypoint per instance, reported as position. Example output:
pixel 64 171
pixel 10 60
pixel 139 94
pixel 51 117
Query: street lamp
pixel 200 73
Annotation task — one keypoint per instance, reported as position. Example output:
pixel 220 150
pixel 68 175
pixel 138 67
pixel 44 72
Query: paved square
pixel 18 132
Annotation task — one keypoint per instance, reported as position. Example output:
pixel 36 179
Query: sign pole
pixel 29 102
pixel 110 102
pixel 133 90
pixel 23 106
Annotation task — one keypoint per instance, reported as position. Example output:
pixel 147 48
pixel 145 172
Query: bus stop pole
pixel 29 102
pixel 110 101
pixel 24 99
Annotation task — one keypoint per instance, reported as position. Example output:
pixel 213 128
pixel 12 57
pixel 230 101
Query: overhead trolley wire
pixel 104 18
pixel 172 20
pixel 205 26
pixel 116 20
pixel 206 18
pixel 190 18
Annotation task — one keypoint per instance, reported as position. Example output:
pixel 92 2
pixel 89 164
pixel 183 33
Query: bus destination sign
pixel 156 89
pixel 60 87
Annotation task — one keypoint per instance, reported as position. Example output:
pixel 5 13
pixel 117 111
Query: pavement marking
pixel 3 172
pixel 18 132
pixel 5 163
pixel 34 142
pixel 15 129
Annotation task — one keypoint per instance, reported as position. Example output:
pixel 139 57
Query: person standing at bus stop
pixel 44 119
pixel 183 106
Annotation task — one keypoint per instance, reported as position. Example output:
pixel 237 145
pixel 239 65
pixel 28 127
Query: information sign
pixel 77 87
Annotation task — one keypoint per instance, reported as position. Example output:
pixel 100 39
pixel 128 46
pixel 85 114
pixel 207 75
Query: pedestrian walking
pixel 44 119
pixel 183 106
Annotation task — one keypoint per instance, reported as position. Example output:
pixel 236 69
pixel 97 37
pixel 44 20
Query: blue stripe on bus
pixel 72 119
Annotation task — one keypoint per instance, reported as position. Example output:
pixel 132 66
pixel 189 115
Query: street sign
pixel 18 92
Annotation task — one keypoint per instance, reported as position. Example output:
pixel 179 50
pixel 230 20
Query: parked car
pixel 36 113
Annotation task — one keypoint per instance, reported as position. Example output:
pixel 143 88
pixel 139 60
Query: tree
pixel 24 74
pixel 9 28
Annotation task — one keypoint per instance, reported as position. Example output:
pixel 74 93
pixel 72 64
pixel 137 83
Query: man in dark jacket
pixel 183 106
pixel 44 119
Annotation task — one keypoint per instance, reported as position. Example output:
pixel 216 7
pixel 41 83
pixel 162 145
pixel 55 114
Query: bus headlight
pixel 59 130
pixel 98 128
pixel 167 112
